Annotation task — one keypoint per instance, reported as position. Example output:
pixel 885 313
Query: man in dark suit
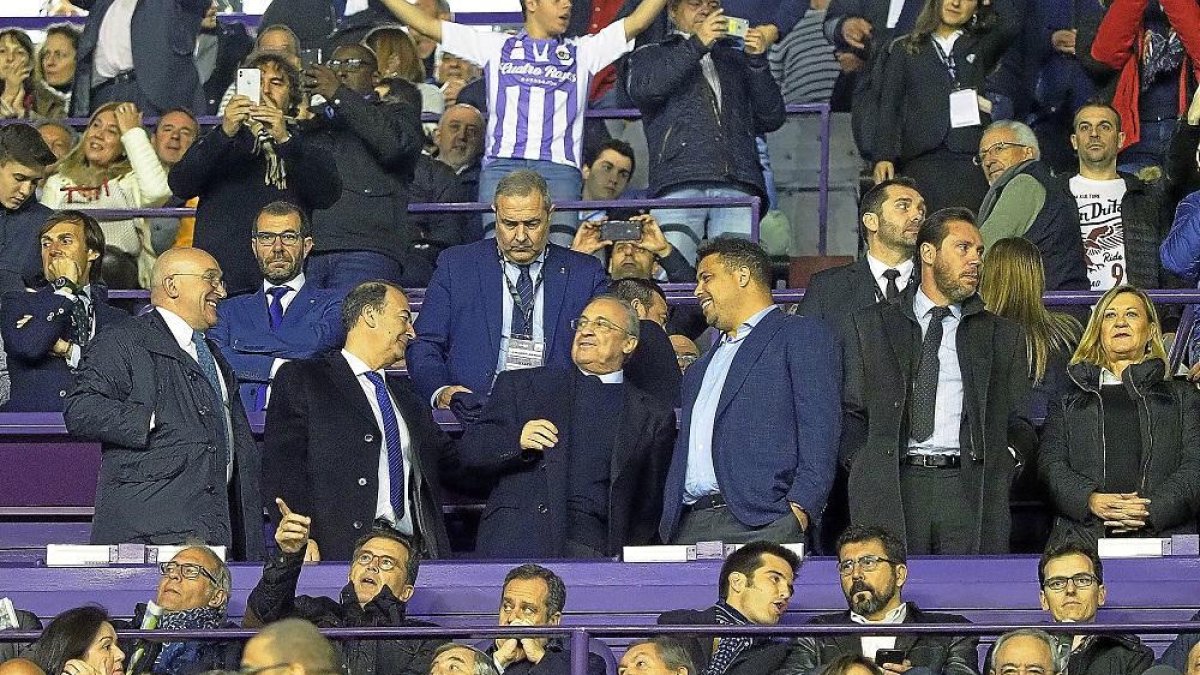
pixel 936 406
pixel 578 455
pixel 502 304
pixel 46 330
pixel 755 587
pixel 757 443
pixel 652 367
pixel 154 71
pixel 24 162
pixel 288 318
pixel 178 460
pixel 890 214
pixel 345 448
pixel 872 563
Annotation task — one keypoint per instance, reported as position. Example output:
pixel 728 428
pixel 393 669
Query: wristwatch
pixel 63 282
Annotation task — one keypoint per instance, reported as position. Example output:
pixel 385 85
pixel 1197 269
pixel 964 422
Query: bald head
pixel 292 641
pixel 20 667
pixel 188 283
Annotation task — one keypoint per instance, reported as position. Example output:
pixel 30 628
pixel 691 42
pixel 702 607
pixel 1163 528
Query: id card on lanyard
pixel 523 351
pixel 964 102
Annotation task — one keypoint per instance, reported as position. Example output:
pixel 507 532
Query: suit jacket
pixel 20 253
pixel 762 658
pixel 164 485
pixel 40 379
pixel 833 295
pixel 526 515
pixel 776 432
pixel 163 35
pixel 882 348
pixel 312 325
pixel 652 366
pixel 940 654
pixel 458 329
pixel 321 455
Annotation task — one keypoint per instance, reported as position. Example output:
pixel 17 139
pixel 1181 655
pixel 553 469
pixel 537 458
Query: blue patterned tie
pixel 925 387
pixel 275 308
pixel 208 366
pixel 391 436
pixel 519 326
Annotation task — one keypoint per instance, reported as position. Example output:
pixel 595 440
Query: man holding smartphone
pixel 873 568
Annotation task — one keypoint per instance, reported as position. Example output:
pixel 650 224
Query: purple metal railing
pixel 253 20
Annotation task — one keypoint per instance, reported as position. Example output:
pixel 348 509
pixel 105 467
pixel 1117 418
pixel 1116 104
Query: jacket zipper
pixel 1145 408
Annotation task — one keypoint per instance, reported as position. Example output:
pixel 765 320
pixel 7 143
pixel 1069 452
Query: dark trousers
pixel 935 511
pixel 946 179
pixel 343 270
pixel 719 524
pixel 123 91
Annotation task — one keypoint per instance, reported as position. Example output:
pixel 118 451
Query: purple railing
pixel 253 20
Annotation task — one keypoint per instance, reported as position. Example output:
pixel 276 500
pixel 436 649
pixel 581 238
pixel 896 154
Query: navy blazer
pixel 40 380
pixel 458 329
pixel 775 439
pixel 311 326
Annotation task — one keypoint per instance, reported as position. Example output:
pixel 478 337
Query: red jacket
pixel 1119 45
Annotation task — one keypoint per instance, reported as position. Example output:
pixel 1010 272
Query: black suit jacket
pixel 526 515
pixel 881 353
pixel 762 658
pixel 835 294
pixel 652 366
pixel 321 454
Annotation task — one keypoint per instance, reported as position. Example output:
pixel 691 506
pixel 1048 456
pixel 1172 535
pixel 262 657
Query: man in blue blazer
pixel 45 331
pixel 757 445
pixel 287 318
pixel 500 305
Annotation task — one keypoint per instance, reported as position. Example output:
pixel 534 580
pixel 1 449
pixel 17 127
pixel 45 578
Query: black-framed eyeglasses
pixel 345 64
pixel 186 570
pixel 212 278
pixel 686 359
pixel 1059 584
pixel 288 237
pixel 386 563
pixel 868 563
pixel 600 325
pixel 993 149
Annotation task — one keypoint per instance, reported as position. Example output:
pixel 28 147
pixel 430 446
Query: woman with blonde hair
pixel 1012 283
pixel 396 54
pixel 1120 451
pixel 113 166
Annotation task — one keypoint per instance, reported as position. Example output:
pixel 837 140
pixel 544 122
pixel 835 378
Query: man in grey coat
pixel 179 463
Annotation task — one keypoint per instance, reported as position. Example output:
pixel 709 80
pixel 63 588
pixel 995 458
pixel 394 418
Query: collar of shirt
pixel 1108 377
pixel 878 268
pixel 748 325
pixel 357 366
pixel 922 305
pixel 535 267
pixel 297 283
pixel 947 42
pixel 615 377
pixel 180 330
pixel 897 615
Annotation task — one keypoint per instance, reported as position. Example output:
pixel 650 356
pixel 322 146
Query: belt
pixel 706 503
pixel 933 461
pixel 123 76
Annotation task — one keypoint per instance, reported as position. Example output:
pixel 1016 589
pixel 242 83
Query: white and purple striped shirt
pixel 537 90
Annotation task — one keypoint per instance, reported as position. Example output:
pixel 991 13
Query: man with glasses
pixel 288 318
pixel 578 454
pixel 1026 651
pixel 1071 577
pixel 347 445
pixel 178 461
pixel 291 647
pixel 1026 200
pixel 872 563
pixel 383 570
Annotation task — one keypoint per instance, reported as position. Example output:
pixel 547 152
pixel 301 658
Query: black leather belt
pixel 933 461
pixel 123 76
pixel 706 503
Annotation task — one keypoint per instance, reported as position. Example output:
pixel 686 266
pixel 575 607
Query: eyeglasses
pixel 868 563
pixel 686 359
pixel 288 237
pixel 994 149
pixel 1081 580
pixel 186 570
pixel 386 563
pixel 212 278
pixel 345 64
pixel 598 325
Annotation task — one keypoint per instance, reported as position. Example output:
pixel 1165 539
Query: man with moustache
pixel 872 563
pixel 288 318
pixel 178 460
pixel 459 140
pixel 936 403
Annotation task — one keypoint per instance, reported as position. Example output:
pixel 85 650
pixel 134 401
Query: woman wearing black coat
pixel 1120 451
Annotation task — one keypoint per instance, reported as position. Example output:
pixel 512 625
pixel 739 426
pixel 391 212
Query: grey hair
pixel 223 577
pixel 673 654
pixel 483 662
pixel 1056 661
pixel 632 323
pixel 521 183
pixel 1024 134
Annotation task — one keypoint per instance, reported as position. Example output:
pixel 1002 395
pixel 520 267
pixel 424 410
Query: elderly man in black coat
pixel 178 461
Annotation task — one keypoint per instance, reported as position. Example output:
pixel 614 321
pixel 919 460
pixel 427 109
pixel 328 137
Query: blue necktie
pixel 275 308
pixel 391 436
pixel 208 366
pixel 523 308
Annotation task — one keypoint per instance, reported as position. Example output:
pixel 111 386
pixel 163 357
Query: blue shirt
pixel 701 477
pixel 948 408
pixel 513 272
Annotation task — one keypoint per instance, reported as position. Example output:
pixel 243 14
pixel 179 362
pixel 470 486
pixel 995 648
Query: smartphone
pixel 249 84
pixel 620 230
pixel 737 27
pixel 895 656
pixel 310 58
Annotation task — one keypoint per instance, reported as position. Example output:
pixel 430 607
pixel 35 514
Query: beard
pixel 874 600
pixel 952 286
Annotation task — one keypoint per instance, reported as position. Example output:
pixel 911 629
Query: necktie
pixel 208 366
pixel 925 391
pixel 81 319
pixel 892 292
pixel 523 305
pixel 275 308
pixel 391 436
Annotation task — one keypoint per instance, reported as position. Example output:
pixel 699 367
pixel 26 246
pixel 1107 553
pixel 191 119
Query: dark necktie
pixel 892 292
pixel 391 436
pixel 81 319
pixel 522 316
pixel 208 366
pixel 275 310
pixel 925 391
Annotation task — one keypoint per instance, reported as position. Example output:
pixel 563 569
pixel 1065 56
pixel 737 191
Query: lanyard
pixel 516 297
pixel 947 60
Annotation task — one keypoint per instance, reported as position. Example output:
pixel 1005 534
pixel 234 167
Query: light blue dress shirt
pixel 513 272
pixel 948 408
pixel 701 477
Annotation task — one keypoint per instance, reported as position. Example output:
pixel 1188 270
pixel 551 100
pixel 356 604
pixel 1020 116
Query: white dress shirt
pixel 871 644
pixel 878 268
pixel 295 284
pixel 114 42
